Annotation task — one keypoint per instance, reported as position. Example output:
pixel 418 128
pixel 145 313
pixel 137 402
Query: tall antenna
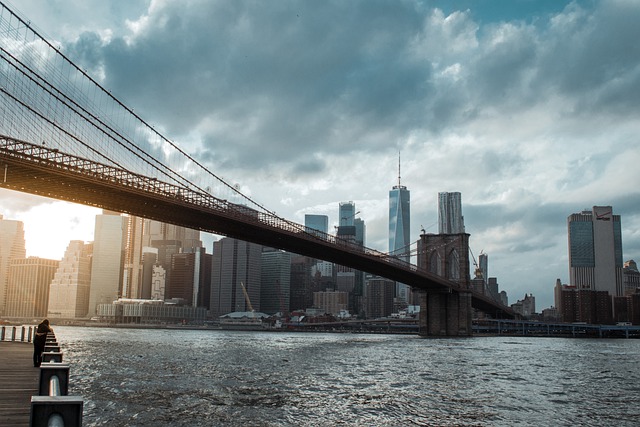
pixel 398 168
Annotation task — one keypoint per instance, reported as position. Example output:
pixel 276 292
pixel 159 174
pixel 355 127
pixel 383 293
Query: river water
pixel 140 377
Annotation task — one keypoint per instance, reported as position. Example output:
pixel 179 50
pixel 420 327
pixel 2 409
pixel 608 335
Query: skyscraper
pixel 595 250
pixel 399 229
pixel 28 286
pixel 191 277
pixel 399 221
pixel 132 271
pixel 450 219
pixel 347 214
pixel 168 239
pixel 156 230
pixel 69 291
pixel 316 223
pixel 275 283
pixel 236 263
pixel 349 280
pixel 12 246
pixel 483 259
pixel 106 266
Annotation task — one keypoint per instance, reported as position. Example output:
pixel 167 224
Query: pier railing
pixel 52 407
pixel 10 333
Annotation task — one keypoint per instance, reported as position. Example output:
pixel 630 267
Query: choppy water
pixel 219 378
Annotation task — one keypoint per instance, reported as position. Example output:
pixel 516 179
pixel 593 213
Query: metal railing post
pixel 53 407
pixel 54 386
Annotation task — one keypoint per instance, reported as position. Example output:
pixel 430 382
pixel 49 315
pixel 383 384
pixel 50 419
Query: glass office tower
pixel 595 250
pixel 450 219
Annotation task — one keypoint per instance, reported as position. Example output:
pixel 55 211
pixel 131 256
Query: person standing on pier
pixel 39 341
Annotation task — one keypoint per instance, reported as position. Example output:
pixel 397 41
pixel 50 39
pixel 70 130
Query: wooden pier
pixel 18 382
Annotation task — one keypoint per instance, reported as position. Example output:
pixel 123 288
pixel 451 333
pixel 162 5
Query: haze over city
pixel 529 109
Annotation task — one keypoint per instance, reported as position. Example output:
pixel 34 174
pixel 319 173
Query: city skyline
pixel 472 96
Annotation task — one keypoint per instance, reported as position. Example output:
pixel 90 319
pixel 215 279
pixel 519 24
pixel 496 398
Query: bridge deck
pixel 18 382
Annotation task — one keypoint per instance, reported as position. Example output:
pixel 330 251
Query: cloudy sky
pixel 529 108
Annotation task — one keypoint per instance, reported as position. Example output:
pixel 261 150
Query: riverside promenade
pixel 18 382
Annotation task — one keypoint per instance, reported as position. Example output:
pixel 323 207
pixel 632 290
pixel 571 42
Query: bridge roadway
pixel 47 172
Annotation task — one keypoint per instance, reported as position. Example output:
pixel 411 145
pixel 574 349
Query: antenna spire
pixel 398 168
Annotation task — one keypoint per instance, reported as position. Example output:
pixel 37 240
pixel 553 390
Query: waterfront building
pixel 236 275
pixel 630 277
pixel 550 314
pixel 166 250
pixel 450 219
pixel 149 260
pixel 12 246
pixel 144 311
pixel 477 284
pixel 583 305
pixel 166 239
pixel 483 261
pixel 595 307
pixel 627 308
pixel 69 290
pixel 493 288
pixel 504 299
pixel 525 307
pixel 332 302
pixel 107 261
pixel 380 294
pixel 191 277
pixel 316 223
pixel 302 282
pixel 132 257
pixel 634 301
pixel 275 281
pixel 28 287
pixel 595 250
pixel 158 282
pixel 566 302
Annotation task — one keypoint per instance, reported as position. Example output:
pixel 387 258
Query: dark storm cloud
pixel 268 83
pixel 273 76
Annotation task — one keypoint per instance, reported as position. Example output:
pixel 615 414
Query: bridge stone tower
pixel 446 313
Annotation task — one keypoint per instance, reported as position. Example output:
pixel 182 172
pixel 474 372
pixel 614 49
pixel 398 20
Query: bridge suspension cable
pixel 48 98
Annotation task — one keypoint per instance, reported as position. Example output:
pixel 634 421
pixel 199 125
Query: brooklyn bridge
pixel 64 136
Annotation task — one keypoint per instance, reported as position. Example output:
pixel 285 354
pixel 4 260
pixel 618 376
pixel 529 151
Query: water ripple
pixel 221 378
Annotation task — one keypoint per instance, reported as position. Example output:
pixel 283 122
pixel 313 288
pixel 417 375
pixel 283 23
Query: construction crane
pixel 479 273
pixel 246 297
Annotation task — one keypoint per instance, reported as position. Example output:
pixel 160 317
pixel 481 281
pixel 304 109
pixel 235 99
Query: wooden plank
pixel 18 382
